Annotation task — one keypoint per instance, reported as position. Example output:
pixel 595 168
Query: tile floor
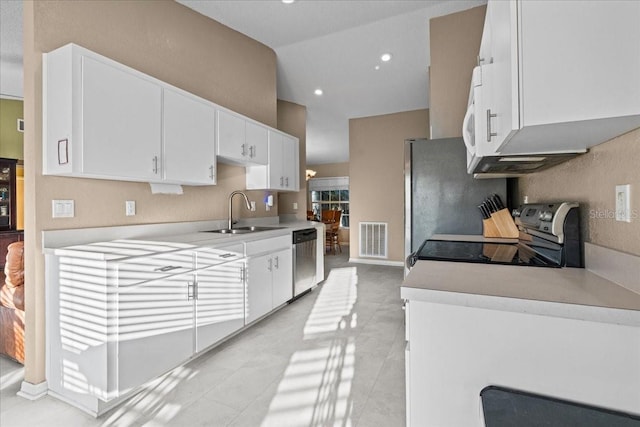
pixel 335 357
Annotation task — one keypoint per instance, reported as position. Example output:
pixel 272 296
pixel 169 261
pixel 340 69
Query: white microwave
pixel 484 159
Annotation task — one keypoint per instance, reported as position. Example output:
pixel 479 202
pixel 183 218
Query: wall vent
pixel 373 239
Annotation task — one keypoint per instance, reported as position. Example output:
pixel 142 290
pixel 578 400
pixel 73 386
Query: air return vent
pixel 373 239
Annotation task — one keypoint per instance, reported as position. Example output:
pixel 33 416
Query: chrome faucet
pixel 246 200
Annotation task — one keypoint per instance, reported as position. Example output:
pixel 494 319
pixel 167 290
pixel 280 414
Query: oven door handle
pixel 411 261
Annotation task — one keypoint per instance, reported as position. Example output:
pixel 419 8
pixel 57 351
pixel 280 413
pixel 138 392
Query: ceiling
pixel 335 45
pixel 329 44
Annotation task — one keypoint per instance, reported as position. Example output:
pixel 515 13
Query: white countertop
pixel 564 292
pixel 159 242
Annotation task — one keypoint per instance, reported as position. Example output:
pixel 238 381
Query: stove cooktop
pixel 521 253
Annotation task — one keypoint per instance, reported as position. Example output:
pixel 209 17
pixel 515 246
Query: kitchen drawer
pixel 142 269
pixel 210 256
pixel 268 245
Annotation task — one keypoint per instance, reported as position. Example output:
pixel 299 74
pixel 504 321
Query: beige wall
pixel 165 40
pixel 292 119
pixel 454 45
pixel 376 173
pixel 590 179
pixel 328 170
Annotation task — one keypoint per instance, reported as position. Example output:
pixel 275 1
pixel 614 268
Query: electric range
pixel 549 237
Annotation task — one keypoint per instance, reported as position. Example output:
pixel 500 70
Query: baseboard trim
pixel 377 262
pixel 33 391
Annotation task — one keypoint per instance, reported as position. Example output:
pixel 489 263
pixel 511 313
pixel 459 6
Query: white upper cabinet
pixel 559 76
pixel 120 123
pixel 282 170
pixel 105 120
pixel 240 141
pixel 189 139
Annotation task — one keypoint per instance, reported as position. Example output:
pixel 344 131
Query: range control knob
pixel 516 213
pixel 545 216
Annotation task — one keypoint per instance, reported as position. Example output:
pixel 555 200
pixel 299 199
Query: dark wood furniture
pixel 8 199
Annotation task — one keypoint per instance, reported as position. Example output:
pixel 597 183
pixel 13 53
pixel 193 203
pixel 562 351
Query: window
pixel 330 194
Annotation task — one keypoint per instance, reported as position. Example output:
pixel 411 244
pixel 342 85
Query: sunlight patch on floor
pixel 315 390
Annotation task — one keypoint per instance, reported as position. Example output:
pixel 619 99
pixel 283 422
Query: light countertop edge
pixel 567 292
pixel 175 242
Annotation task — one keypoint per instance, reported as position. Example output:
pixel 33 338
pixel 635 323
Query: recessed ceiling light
pixel 288 1
pixel 386 57
pixel 318 92
pixel 377 67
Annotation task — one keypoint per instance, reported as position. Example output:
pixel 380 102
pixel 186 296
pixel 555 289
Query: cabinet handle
pixel 244 153
pixel 242 274
pixel 195 289
pixel 287 182
pixel 252 149
pixel 211 172
pixel 227 255
pixel 167 268
pixel 281 181
pixel 489 133
pixel 479 60
pixel 155 164
pixel 189 293
pixel 277 263
pixel 270 267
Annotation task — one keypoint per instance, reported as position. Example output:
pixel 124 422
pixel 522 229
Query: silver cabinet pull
pixel 189 291
pixel 243 152
pixel 252 151
pixel 277 263
pixel 287 182
pixel 489 133
pixel 211 172
pixel 270 267
pixel 167 268
pixel 155 164
pixel 227 255
pixel 281 181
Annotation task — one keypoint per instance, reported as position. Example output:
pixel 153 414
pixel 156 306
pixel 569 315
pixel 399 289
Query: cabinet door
pixel 154 319
pixel 500 78
pixel 282 277
pixel 276 178
pixel 257 141
pixel 231 136
pixel 189 140
pixel 259 289
pixel 290 163
pixel 220 299
pixel 121 123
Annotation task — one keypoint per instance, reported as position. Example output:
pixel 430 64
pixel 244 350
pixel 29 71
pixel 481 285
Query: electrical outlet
pixel 295 206
pixel 130 207
pixel 623 203
pixel 253 206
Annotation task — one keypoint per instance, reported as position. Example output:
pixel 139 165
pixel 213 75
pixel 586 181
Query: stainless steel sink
pixel 243 230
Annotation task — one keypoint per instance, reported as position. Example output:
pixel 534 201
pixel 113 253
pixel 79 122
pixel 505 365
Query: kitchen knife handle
pixel 498 201
pixel 492 206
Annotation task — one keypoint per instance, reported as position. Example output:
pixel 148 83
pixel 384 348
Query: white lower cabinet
pixel 220 296
pixel 259 289
pixel 269 275
pixel 154 328
pixel 282 277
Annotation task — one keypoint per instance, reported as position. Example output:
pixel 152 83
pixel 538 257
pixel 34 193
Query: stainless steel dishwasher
pixel 304 260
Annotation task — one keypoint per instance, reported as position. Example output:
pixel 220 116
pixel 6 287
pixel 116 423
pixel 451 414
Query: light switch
pixel 295 206
pixel 62 209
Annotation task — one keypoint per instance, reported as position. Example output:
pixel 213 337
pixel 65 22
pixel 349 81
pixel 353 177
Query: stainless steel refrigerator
pixel 440 197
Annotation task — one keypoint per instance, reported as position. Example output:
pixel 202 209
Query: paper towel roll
pixel 166 188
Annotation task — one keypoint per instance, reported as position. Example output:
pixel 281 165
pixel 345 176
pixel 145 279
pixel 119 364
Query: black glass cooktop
pixel 520 253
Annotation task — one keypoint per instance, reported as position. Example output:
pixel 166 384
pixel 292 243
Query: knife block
pixel 500 225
